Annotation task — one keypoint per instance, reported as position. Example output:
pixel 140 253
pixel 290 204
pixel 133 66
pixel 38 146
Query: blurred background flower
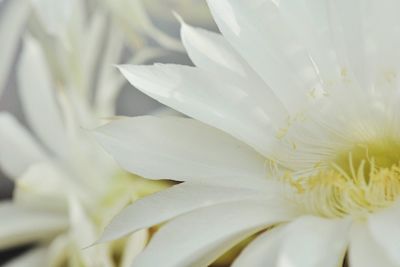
pixel 57 80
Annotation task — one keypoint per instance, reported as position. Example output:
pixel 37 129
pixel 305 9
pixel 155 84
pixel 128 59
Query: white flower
pixel 67 188
pixel 295 129
pixel 129 20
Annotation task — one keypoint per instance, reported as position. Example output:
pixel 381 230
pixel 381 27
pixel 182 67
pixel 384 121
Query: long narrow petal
pixel 364 251
pixel 172 202
pixel 18 149
pixel 198 238
pixel 178 149
pixel 212 52
pixel 12 21
pixel 82 234
pixel 54 16
pixel 20 225
pixel 213 98
pixel 306 242
pixel 38 97
pixel 133 246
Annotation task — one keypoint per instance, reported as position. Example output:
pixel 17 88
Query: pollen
pixel 357 183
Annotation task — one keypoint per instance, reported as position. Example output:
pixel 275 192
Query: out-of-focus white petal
pixel 12 21
pixel 178 149
pixel 82 234
pixel 57 251
pixel 213 98
pixel 364 251
pixel 198 238
pixel 18 150
pixel 172 202
pixel 20 225
pixel 92 50
pixel 385 230
pixel 40 187
pixel 133 246
pixel 109 81
pixel 38 97
pixel 133 15
pixel 54 15
pixel 33 258
pixel 306 242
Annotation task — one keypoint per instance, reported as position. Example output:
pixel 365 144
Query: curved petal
pixel 18 150
pixel 385 230
pixel 38 99
pixel 20 225
pixel 364 251
pixel 177 148
pixel 172 202
pixel 306 242
pixel 134 245
pixel 213 98
pixel 198 238
pixel 82 234
pixel 256 29
pixel 33 258
pixel 212 52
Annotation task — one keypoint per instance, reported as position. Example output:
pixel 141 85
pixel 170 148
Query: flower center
pixel 357 182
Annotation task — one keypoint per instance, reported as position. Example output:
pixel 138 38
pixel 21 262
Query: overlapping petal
pixel 178 200
pixel 178 148
pixel 213 98
pixel 38 98
pixel 20 225
pixel 198 238
pixel 364 251
pixel 306 242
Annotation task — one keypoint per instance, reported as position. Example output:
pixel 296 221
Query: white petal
pixel 172 202
pixel 350 31
pixel 306 242
pixel 55 16
pixel 18 150
pixel 82 234
pixel 39 187
pixel 92 54
pixel 12 21
pixel 263 251
pixel 364 251
pixel 385 230
pixel 20 225
pixel 210 51
pixel 38 97
pixel 109 79
pixel 57 250
pixel 310 20
pixel 213 98
pixel 198 238
pixel 33 258
pixel 178 149
pixel 258 32
pixel 134 245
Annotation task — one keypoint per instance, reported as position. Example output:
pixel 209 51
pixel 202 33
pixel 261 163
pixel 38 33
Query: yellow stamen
pixel 364 181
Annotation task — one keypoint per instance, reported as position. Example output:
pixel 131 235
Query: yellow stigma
pixel 356 183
